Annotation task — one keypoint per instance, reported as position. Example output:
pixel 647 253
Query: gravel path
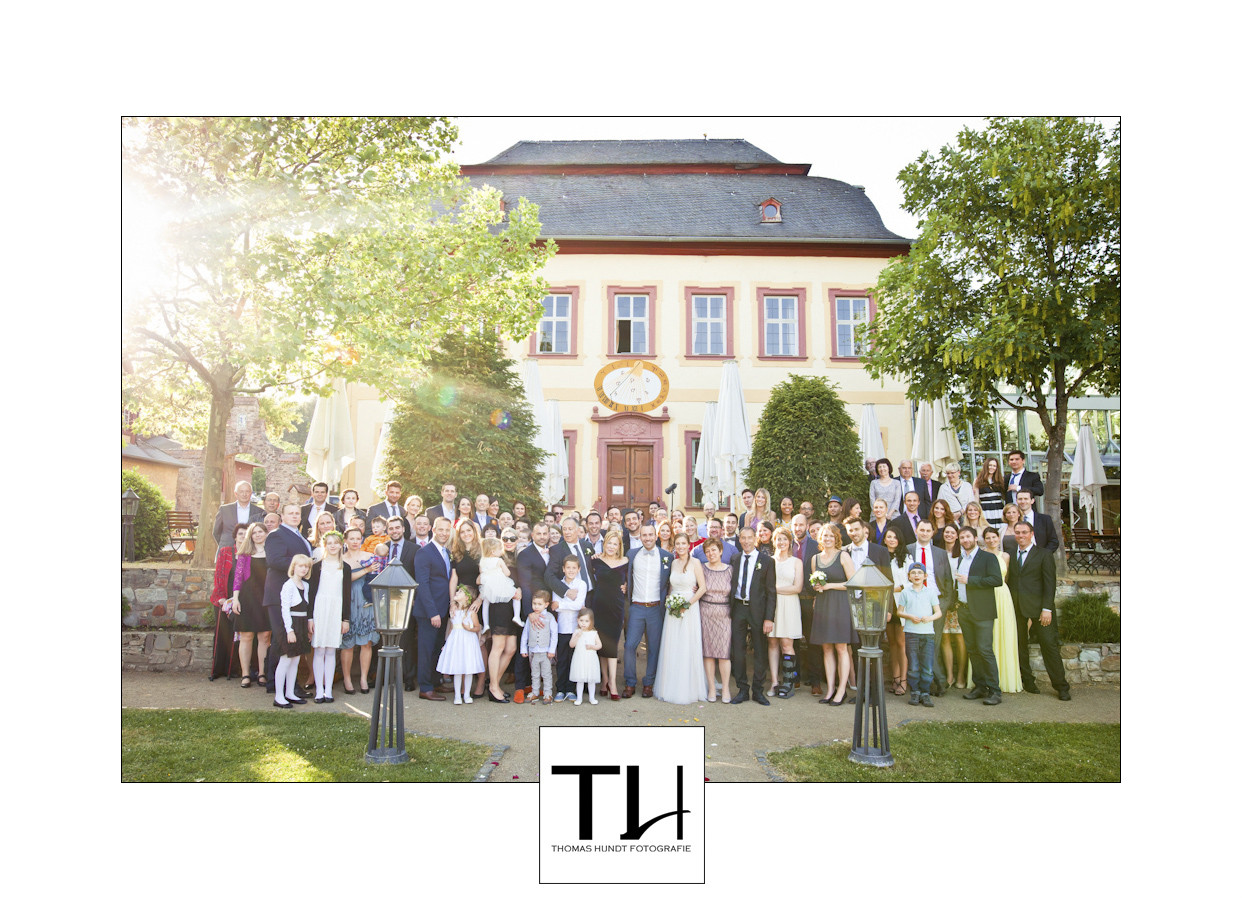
pixel 738 737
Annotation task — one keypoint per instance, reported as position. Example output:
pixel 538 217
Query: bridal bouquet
pixel 676 604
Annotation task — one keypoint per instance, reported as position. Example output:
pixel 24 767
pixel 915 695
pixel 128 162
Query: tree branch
pixel 181 352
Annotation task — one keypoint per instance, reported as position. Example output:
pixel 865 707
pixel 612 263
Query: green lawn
pixel 220 745
pixel 968 751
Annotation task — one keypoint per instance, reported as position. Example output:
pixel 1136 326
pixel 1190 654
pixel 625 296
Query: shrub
pixel 806 447
pixel 151 525
pixel 1088 619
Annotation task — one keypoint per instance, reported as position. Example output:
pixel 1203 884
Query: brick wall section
pixel 246 434
pixel 160 597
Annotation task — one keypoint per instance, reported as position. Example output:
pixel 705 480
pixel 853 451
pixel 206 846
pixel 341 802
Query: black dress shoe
pixel 329 699
pixel 279 705
pixel 319 699
pixel 979 691
pixel 297 700
pixel 762 700
pixel 740 698
pixel 492 697
pixel 1031 688
pixel 992 699
pixel 409 687
pixel 1063 694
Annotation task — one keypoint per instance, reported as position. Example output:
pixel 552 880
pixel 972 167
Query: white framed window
pixel 708 323
pixel 630 321
pixel 780 325
pixel 554 327
pixel 852 313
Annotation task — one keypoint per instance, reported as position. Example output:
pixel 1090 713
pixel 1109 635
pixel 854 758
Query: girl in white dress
pixel 584 667
pixel 461 656
pixel 680 677
pixel 331 582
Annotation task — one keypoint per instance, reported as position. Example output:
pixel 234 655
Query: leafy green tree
pixel 467 424
pixel 807 445
pixel 150 525
pixel 1014 283
pixel 290 251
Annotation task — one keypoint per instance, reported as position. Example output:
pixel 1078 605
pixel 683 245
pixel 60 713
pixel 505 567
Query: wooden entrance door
pixel 631 470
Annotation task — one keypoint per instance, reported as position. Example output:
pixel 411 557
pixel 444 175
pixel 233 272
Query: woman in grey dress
pixel 717 624
pixel 831 624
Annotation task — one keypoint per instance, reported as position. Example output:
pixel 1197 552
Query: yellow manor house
pixel 682 255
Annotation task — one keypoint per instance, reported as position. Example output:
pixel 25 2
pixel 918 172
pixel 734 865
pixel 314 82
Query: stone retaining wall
pixel 166 651
pixel 163 597
pixel 1084 664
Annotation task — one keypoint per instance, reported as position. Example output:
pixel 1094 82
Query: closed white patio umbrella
pixel 704 462
pixel 330 438
pixel 548 475
pixel 556 478
pixel 381 451
pixel 869 437
pixel 1087 476
pixel 935 438
pixel 731 442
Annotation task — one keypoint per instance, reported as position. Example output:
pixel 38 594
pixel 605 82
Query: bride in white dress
pixel 679 672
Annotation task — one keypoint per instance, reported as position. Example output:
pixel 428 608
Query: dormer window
pixel 770 210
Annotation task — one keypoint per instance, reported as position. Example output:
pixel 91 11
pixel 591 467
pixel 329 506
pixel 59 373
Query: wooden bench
pixel 181 528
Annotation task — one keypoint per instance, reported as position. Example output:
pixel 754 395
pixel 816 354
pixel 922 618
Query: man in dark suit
pixel 1019 478
pixel 979 575
pixel 229 515
pixel 1041 525
pixel 810 657
pixel 432 570
pixel 390 506
pixel 752 590
pixel 645 593
pixel 532 563
pixel 447 506
pixel 481 516
pixel 928 490
pixel 861 548
pixel 940 574
pixel 907 520
pixel 905 477
pixel 571 545
pixel 1033 583
pixel 283 543
pixel 318 506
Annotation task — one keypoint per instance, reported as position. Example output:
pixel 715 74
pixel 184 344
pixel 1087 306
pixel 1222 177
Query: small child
pixel 378 536
pixel 919 606
pixel 294 605
pixel 461 656
pixel 567 607
pixel 494 582
pixel 539 638
pixel 585 666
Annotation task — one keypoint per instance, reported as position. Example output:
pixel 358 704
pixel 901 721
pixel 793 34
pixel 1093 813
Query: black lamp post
pixel 130 502
pixel 392 594
pixel 870 595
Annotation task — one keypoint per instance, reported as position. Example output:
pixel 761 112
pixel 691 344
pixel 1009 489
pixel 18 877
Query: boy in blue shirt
pixel 919 605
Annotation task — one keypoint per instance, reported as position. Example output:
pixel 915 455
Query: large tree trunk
pixel 1052 486
pixel 213 476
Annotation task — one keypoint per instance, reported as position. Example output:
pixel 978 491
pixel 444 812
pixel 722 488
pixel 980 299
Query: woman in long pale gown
pixel 680 677
pixel 1005 633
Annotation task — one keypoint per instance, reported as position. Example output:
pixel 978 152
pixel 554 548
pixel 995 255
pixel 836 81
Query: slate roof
pixel 695 206
pixel 575 153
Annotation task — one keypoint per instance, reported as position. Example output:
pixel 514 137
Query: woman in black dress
pixel 224 648
pixel 831 624
pixel 465 550
pixel 249 574
pixel 610 570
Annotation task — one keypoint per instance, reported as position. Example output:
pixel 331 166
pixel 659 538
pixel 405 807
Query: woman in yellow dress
pixel 1005 633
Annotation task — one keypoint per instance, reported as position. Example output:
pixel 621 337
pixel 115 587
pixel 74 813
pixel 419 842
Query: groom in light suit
pixel 645 593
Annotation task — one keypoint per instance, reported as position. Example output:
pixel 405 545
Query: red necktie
pixel 923 550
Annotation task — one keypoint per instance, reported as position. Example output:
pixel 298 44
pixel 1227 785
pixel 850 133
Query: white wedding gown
pixel 679 672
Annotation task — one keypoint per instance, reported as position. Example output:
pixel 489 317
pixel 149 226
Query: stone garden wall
pixel 165 597
pixel 166 651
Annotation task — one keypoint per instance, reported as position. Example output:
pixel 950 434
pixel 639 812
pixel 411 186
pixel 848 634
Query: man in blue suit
pixel 432 570
pixel 645 593
pixel 283 543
